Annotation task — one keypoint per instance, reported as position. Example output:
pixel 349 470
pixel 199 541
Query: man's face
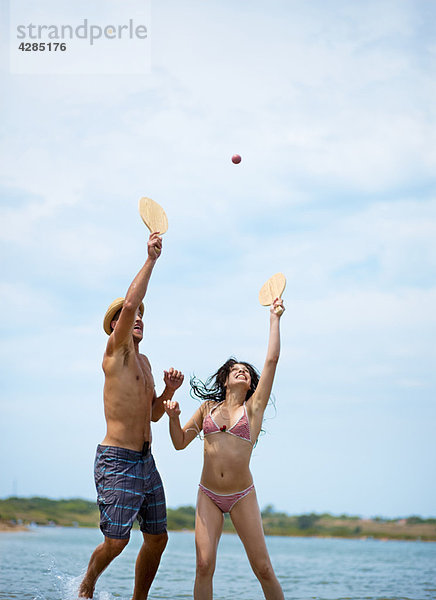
pixel 138 327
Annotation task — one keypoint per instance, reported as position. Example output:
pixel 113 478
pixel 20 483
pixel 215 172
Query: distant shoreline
pixel 12 528
pixel 19 514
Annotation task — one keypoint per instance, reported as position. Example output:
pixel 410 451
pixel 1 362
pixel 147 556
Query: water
pixel 49 563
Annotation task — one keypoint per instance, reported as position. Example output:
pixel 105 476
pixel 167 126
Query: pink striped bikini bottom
pixel 225 502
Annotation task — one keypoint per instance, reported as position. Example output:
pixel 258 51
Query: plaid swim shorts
pixel 129 487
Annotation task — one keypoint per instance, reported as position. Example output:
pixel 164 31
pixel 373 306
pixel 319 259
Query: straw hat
pixel 111 312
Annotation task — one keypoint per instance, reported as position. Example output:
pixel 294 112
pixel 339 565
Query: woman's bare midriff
pixel 226 464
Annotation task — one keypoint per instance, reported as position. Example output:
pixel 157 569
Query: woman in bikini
pixel 231 419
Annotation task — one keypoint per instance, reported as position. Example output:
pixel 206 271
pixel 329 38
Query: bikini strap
pixel 213 408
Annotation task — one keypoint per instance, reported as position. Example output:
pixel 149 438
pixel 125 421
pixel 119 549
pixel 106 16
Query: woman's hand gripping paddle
pixel 272 289
pixel 153 216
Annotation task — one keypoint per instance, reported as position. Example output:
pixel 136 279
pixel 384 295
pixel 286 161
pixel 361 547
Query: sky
pixel 331 105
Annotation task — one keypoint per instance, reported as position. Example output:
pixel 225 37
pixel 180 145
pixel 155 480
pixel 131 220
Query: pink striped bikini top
pixel 240 429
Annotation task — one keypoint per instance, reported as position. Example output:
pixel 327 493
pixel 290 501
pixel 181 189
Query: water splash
pixel 71 587
pixel 61 586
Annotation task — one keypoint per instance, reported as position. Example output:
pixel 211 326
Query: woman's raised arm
pixel 260 398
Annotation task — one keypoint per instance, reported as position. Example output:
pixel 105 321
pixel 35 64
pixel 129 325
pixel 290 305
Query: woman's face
pixel 239 375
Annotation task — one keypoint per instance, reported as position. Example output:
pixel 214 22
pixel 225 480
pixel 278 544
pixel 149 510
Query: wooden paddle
pixel 272 289
pixel 153 216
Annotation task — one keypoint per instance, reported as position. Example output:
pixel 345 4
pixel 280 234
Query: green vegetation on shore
pixel 83 513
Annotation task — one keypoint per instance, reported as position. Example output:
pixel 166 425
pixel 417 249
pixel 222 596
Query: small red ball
pixel 236 159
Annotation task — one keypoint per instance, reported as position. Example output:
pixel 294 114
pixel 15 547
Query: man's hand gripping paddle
pixel 153 215
pixel 272 289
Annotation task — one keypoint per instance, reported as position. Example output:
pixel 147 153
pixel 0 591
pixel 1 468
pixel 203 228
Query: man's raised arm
pixel 122 332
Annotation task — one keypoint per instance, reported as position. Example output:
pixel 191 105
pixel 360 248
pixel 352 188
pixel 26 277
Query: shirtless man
pixel 128 484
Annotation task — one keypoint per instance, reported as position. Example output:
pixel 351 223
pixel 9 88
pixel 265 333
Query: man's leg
pixel 102 556
pixel 147 563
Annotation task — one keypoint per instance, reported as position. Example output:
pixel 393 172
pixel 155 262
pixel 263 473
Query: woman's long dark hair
pixel 215 386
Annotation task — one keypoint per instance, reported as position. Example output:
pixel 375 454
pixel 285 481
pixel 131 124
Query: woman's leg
pixel 247 520
pixel 209 522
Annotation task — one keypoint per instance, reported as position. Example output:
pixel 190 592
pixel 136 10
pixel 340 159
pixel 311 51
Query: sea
pixel 48 563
